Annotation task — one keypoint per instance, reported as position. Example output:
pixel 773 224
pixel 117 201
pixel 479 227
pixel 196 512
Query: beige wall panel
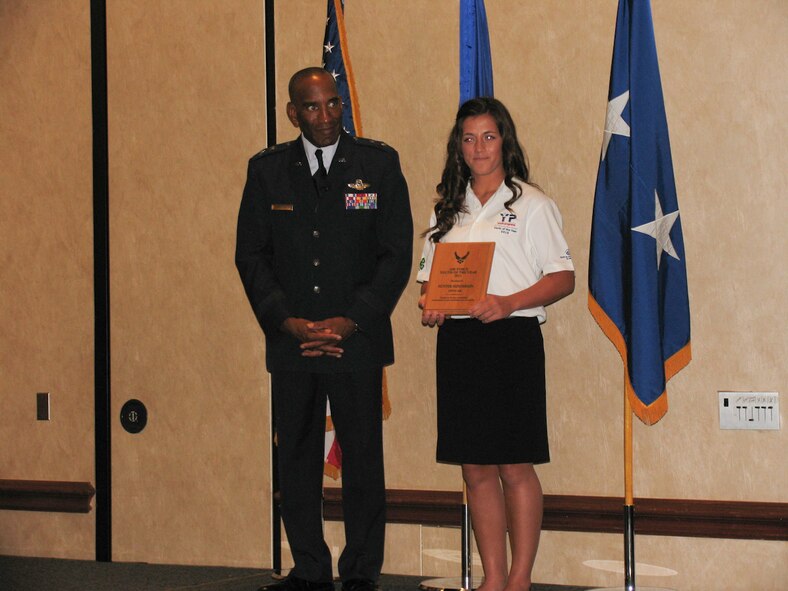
pixel 46 265
pixel 334 532
pixel 689 564
pixel 186 95
pixel 406 63
pixel 51 535
pixel 410 549
pixel 299 39
pixel 398 554
pixel 441 556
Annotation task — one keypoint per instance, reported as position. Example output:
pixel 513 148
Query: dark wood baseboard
pixel 41 495
pixel 663 517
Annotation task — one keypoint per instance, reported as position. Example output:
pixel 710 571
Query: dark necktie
pixel 321 175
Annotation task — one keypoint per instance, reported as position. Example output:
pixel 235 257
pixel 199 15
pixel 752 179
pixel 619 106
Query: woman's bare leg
pixel 522 492
pixel 488 516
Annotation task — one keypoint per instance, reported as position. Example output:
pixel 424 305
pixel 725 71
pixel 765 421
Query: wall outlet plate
pixel 749 410
pixel 42 406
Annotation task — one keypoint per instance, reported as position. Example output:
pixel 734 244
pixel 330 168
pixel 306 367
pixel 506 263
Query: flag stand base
pixel 450 584
pixel 465 582
pixel 629 529
pixel 637 588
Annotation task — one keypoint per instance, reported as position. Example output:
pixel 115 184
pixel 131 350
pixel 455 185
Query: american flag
pixel 336 59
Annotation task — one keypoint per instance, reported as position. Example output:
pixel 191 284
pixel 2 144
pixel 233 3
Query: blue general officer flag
pixel 637 272
pixel 336 59
pixel 476 78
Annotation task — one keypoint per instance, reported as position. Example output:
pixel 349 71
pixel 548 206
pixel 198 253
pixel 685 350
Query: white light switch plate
pixel 749 410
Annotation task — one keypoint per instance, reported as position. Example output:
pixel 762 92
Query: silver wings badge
pixel 359 185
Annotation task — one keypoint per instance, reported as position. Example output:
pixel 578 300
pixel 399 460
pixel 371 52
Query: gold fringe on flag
pixel 653 412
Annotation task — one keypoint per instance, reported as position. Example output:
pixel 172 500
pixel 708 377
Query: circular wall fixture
pixel 134 416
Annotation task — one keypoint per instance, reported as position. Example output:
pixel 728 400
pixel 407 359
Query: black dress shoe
pixel 295 584
pixel 359 585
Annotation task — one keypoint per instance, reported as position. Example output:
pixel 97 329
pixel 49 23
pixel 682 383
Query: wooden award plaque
pixel 458 277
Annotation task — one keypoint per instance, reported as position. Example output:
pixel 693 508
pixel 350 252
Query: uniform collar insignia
pixel 359 185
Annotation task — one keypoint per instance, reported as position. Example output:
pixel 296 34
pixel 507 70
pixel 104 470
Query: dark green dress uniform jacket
pixel 341 251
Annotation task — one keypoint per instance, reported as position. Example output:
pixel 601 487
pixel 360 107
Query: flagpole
pixel 629 501
pixel 629 509
pixel 467 553
pixel 270 107
pixel 475 80
pixel 466 581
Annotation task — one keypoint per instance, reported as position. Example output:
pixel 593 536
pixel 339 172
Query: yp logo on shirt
pixel 507 223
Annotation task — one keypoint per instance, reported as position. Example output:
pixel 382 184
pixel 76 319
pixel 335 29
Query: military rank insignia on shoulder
pixel 272 150
pixel 363 141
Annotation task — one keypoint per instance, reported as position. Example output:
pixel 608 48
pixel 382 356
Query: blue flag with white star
pixel 336 59
pixel 476 77
pixel 637 279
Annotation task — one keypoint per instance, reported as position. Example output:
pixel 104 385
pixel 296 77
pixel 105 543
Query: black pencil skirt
pixel 491 392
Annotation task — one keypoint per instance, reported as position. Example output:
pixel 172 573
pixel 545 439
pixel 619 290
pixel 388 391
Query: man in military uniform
pixel 324 251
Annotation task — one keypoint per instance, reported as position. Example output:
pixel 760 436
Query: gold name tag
pixel 282 207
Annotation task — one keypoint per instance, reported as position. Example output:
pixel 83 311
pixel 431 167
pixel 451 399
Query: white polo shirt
pixel 528 240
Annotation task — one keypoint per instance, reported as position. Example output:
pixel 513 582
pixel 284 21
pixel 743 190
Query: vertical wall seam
pixel 101 301
pixel 270 118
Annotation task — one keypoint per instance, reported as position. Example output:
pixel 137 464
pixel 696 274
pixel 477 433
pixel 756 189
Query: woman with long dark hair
pixel 490 364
